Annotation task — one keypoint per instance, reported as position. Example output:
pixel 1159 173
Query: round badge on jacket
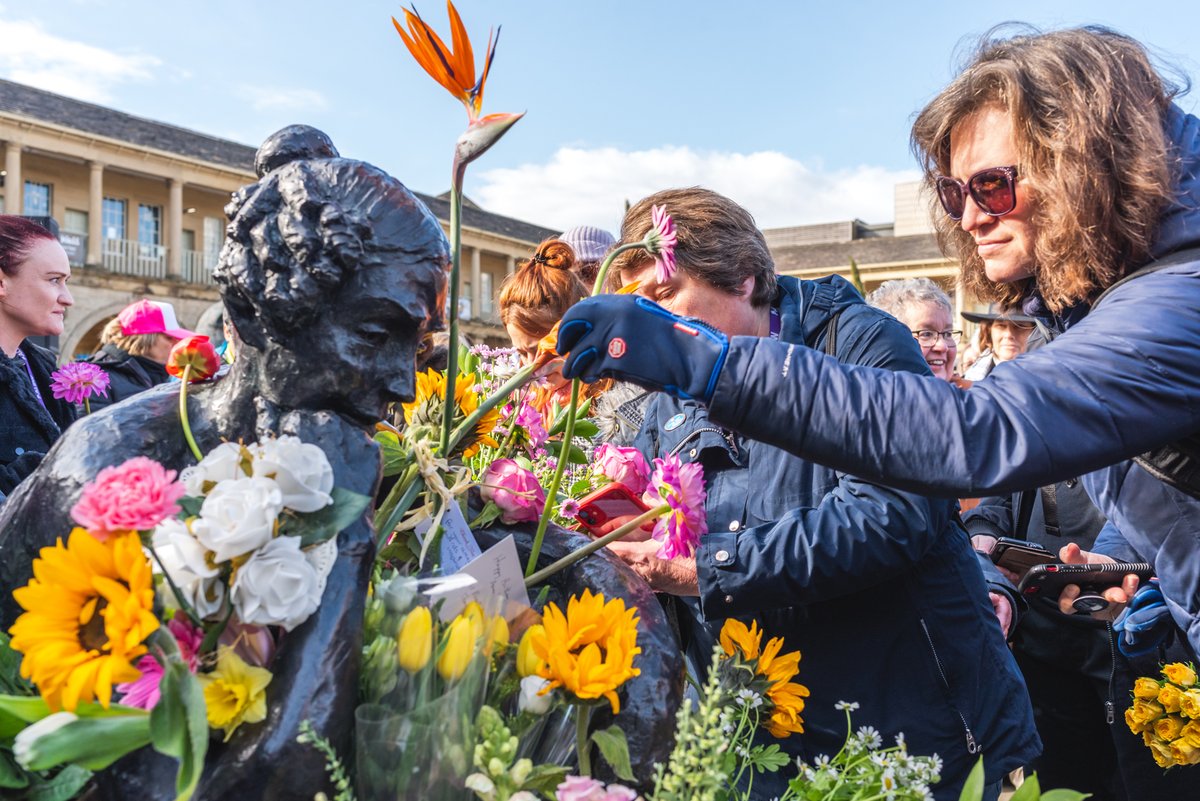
pixel 675 422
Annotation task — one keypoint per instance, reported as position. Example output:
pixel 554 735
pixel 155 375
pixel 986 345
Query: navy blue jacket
pixel 28 428
pixel 878 589
pixel 1120 381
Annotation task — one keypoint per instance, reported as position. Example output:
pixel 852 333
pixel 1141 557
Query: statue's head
pixel 331 272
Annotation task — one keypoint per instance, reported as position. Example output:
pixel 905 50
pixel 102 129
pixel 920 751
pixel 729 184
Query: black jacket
pixel 127 375
pixel 27 429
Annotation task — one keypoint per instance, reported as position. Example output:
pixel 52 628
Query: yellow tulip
pixel 458 648
pixel 415 640
pixel 528 663
pixel 497 632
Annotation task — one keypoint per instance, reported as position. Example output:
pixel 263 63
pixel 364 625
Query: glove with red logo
pixel 633 339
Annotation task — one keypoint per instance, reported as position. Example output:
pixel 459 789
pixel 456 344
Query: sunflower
pixel 590 649
pixel 772 673
pixel 88 609
pixel 426 408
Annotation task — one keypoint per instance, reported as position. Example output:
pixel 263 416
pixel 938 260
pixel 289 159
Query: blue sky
pixel 798 110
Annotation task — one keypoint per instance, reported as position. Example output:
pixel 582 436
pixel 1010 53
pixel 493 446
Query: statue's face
pixel 360 355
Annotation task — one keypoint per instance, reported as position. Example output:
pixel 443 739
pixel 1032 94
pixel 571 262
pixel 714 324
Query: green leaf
pixel 190 505
pixel 586 429
pixel 580 488
pixel 768 759
pixel 11 774
pixel 63 787
pixel 544 778
pixel 398 551
pixel 575 454
pixel 1064 795
pixel 10 670
pixel 1029 790
pixel 490 513
pixel 321 525
pixel 615 748
pixel 179 725
pixel 94 743
pixel 392 451
pixel 973 789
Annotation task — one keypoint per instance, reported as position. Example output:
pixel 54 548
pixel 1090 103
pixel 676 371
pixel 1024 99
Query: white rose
pixel 301 470
pixel 222 463
pixel 183 557
pixel 238 516
pixel 529 700
pixel 277 586
pixel 25 744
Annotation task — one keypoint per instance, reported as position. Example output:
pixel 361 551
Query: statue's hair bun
pixel 293 143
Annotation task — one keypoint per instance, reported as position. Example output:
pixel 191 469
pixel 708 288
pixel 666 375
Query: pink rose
pixel 515 490
pixel 134 496
pixel 624 465
pixel 583 788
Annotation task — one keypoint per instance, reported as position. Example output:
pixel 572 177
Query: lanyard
pixel 776 323
pixel 32 381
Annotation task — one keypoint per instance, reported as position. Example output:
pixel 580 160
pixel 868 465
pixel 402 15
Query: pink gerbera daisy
pixel 660 242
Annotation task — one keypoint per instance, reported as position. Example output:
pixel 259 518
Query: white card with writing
pixel 458 546
pixel 497 576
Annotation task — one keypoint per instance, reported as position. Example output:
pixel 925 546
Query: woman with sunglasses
pixel 1070 184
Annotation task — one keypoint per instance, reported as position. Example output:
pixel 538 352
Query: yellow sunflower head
pixel 426 408
pixel 748 663
pixel 88 611
pixel 589 650
pixel 736 635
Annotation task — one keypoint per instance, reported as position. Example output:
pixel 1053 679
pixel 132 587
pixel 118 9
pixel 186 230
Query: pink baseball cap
pixel 151 317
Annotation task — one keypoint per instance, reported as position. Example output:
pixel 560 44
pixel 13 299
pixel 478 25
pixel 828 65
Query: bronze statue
pixel 331 273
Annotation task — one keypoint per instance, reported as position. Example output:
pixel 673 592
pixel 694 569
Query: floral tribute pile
pixel 157 618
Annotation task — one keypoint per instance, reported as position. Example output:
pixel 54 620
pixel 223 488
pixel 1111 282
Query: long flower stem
pixel 455 270
pixel 183 414
pixel 552 490
pixel 406 500
pixel 582 745
pixel 520 379
pixel 596 544
pixel 184 606
pixel 602 273
pixel 384 510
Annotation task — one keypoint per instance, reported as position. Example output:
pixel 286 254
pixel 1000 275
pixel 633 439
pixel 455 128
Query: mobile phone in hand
pixel 1018 556
pixel 1048 581
pixel 608 503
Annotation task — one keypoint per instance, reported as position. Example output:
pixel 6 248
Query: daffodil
pixel 426 409
pixel 234 693
pixel 88 611
pixel 415 640
pixel 589 650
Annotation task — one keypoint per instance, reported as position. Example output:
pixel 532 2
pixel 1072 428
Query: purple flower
pixel 79 380
pixel 530 419
pixel 569 509
pixel 660 242
pixel 682 487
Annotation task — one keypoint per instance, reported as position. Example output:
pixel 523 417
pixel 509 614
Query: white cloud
pixel 268 98
pixel 32 56
pixel 590 186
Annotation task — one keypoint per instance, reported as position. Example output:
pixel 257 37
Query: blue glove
pixel 633 339
pixel 1145 622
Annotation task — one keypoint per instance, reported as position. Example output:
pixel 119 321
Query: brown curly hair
pixel 1088 110
pixel 538 294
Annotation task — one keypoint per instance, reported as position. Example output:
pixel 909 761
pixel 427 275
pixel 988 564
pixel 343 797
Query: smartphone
pixel 610 501
pixel 1048 581
pixel 1020 555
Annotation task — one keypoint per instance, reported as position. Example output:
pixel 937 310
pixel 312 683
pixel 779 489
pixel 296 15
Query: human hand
pixel 675 576
pixel 634 339
pixel 1003 609
pixel 1117 597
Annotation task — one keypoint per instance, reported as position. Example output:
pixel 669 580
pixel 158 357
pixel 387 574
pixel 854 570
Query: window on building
pixel 37 199
pixel 75 221
pixel 485 296
pixel 189 240
pixel 214 235
pixel 149 225
pixel 113 218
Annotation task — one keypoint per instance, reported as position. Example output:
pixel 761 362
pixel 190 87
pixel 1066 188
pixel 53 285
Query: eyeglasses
pixel 994 191
pixel 929 338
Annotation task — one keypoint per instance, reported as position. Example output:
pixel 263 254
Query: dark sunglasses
pixel 994 191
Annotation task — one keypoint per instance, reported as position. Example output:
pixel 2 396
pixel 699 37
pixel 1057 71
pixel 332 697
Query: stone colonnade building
pixel 140 210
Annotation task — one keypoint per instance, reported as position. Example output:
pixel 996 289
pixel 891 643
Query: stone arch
pixel 86 332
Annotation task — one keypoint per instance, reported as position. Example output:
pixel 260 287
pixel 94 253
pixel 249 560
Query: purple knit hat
pixel 590 244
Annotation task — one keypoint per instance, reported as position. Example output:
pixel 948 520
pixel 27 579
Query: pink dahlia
pixel 77 381
pixel 624 465
pixel 682 487
pixel 515 490
pixel 144 692
pixel 134 496
pixel 661 243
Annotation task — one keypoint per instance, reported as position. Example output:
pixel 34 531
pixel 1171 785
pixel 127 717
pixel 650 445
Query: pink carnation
pixel 625 466
pixel 79 380
pixel 681 486
pixel 515 490
pixel 584 788
pixel 144 692
pixel 134 496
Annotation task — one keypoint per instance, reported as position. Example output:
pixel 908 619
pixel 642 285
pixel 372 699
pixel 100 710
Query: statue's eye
pixel 375 337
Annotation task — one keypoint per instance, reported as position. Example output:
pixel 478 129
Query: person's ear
pixel 747 288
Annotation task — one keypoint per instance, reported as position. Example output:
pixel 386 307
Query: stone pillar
pixel 14 187
pixel 95 243
pixel 510 265
pixel 174 228
pixel 476 288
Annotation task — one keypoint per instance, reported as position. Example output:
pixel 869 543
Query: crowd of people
pixel 837 433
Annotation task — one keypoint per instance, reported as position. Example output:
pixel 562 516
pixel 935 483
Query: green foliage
pixel 498 773
pixel 1030 789
pixel 696 769
pixel 615 750
pixel 333 763
pixel 316 527
pixel 179 723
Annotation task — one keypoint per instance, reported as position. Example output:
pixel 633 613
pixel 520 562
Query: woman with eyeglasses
pixel 1070 188
pixel 926 309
